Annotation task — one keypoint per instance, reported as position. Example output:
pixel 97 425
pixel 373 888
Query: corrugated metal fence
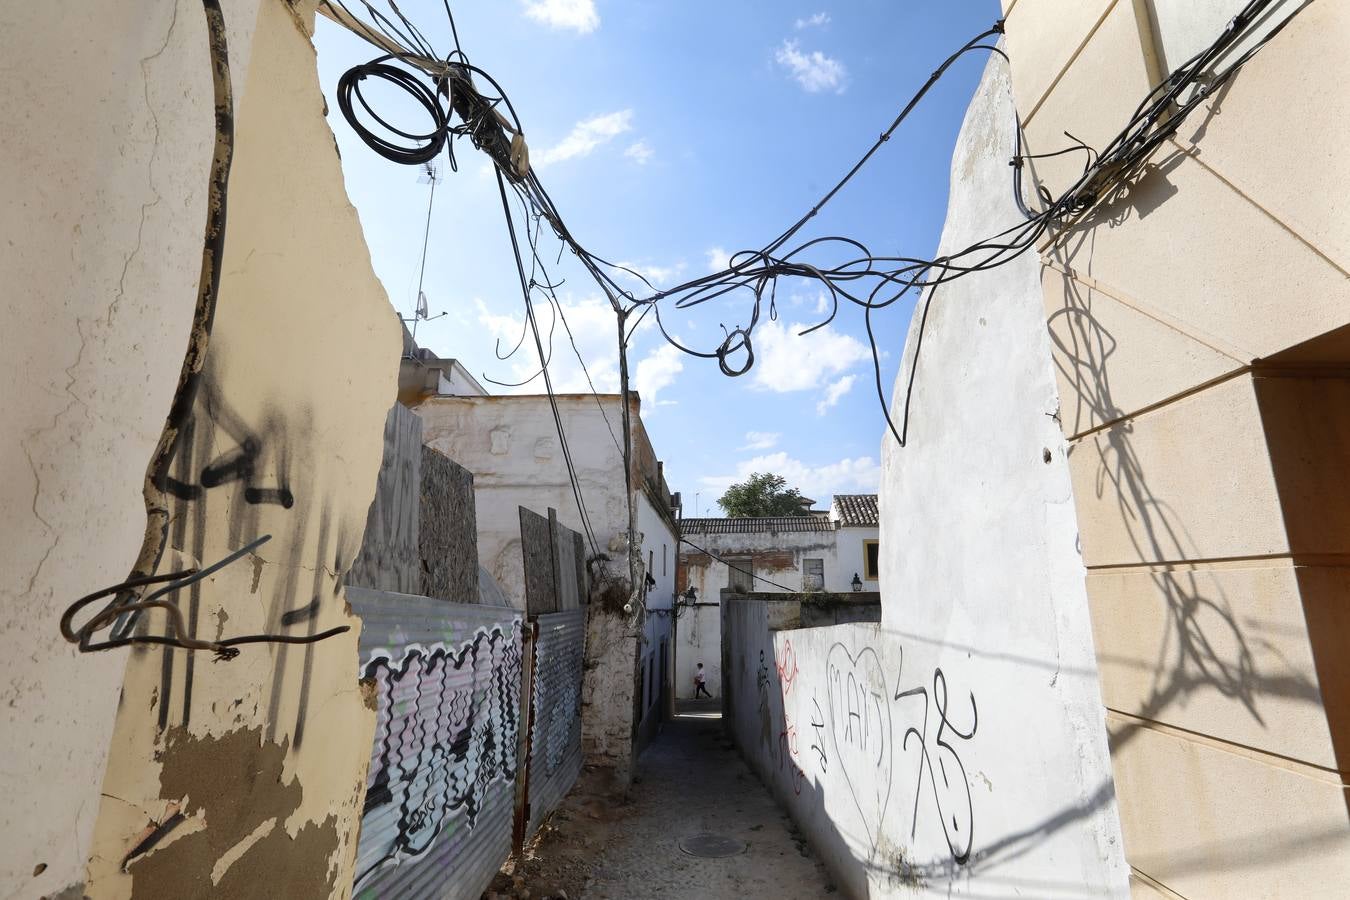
pixel 440 795
pixel 555 728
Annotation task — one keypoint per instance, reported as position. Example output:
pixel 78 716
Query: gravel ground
pixel 689 780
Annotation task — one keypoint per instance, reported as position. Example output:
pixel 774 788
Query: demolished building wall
pixel 101 262
pixel 240 776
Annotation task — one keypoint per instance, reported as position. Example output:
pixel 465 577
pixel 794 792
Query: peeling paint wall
pixel 262 759
pixel 104 162
pixel 511 446
pixel 776 556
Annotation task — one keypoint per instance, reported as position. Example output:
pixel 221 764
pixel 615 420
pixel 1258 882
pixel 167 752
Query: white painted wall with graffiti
pixel 959 748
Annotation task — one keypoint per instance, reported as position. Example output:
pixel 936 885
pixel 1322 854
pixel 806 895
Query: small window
pixel 663 560
pixel 871 560
pixel 741 574
pixel 813 574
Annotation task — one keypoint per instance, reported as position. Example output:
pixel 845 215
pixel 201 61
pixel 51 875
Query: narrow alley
pixel 584 449
pixel 689 782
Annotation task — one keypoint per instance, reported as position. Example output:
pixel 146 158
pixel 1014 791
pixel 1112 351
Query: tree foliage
pixel 763 494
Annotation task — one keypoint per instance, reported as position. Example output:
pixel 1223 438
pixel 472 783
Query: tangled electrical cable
pixel 863 278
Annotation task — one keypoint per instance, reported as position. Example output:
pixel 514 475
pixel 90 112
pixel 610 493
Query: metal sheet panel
pixel 440 794
pixel 555 734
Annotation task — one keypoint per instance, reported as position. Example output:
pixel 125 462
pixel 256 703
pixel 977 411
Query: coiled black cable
pixel 425 146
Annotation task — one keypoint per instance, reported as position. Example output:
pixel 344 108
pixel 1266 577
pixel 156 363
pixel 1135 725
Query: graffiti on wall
pixel 883 738
pixel 447 720
pixel 242 462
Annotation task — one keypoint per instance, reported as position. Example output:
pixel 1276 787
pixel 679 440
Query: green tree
pixel 763 494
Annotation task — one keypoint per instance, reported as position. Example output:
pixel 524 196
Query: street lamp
pixel 857 583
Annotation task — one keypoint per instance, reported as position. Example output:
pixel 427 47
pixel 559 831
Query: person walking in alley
pixel 701 684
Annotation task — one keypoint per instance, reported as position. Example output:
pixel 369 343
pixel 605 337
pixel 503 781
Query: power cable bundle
pixel 867 280
pixel 860 277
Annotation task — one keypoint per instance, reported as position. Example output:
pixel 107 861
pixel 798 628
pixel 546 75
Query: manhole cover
pixel 711 846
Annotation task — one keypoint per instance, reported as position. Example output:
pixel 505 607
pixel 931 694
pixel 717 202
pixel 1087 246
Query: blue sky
pixel 670 134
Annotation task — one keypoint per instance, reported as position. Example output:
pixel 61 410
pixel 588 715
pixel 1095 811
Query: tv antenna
pixel 421 313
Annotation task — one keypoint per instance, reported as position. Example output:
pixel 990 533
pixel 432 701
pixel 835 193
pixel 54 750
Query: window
pixel 741 574
pixel 871 560
pixel 813 574
pixel 663 560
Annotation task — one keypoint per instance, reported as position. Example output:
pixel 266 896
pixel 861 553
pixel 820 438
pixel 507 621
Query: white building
pixel 822 551
pixel 511 445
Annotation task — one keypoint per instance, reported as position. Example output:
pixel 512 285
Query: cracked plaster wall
pixel 103 162
pixel 101 262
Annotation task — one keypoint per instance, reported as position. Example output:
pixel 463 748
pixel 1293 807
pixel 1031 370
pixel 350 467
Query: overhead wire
pixel 864 279
pixel 730 565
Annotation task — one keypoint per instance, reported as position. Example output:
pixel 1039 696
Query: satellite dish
pixel 422 310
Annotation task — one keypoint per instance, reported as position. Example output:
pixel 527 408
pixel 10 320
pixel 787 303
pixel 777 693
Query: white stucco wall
pixel 510 444
pixel 98 280
pixel 659 542
pixel 851 559
pixel 981 576
pixel 959 749
pixel 780 556
pixel 698 639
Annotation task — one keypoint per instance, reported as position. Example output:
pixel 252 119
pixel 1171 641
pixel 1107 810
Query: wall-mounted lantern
pixel 691 596
pixel 857 583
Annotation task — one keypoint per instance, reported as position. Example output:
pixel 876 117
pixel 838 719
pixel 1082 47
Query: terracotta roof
pixel 747 525
pixel 857 510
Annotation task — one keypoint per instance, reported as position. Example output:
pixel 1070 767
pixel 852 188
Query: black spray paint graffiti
pixel 861 732
pixel 446 729
pixel 818 740
pixel 860 724
pixel 946 799
pixel 242 465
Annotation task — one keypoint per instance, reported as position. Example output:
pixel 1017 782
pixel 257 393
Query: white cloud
pixel 822 303
pixel 592 324
pixel 578 15
pixel 657 371
pixel 784 361
pixel 659 276
pixel 820 18
pixel 814 71
pixel 860 475
pixel 585 136
pixel 639 152
pixel 718 259
pixel 834 393
pixel 761 440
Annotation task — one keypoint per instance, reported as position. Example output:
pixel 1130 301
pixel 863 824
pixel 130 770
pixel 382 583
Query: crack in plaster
pixel 149 166
pixel 33 436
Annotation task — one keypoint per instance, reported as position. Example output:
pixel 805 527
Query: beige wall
pixel 103 163
pixel 265 755
pixel 1206 398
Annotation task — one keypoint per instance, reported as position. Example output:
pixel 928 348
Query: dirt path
pixel 689 780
